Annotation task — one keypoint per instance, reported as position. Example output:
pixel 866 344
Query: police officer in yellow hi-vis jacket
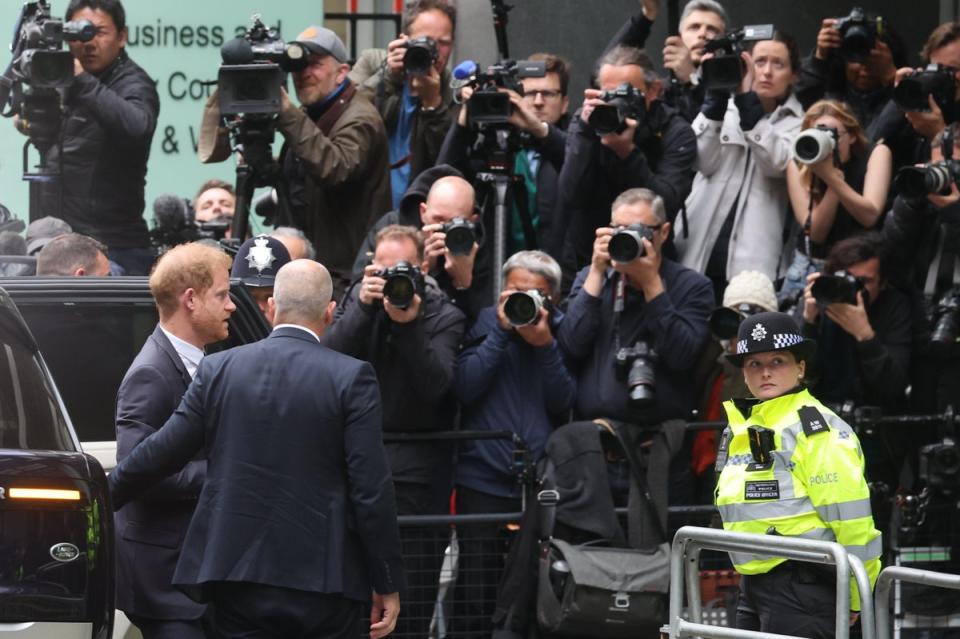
pixel 789 466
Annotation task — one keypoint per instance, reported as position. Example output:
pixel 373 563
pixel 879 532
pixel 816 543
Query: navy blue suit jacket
pixel 150 529
pixel 298 492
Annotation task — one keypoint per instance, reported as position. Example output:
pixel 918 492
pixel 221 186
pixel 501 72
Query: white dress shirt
pixel 189 354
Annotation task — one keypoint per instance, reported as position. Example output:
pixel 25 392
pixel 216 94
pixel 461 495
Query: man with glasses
pixel 540 115
pixel 112 108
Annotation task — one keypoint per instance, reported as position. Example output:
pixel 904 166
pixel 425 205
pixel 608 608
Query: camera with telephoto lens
pixel 626 101
pixel 626 244
pixel 724 71
pixel 914 91
pixel 725 321
pixel 945 318
pixel 522 308
pixel 461 235
pixel 635 365
pixel 839 288
pixel 254 68
pixel 490 106
pixel 858 33
pixel 939 465
pixel 420 56
pixel 403 281
pixel 815 144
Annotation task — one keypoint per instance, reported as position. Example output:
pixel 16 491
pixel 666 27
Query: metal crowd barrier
pixel 684 575
pixel 890 575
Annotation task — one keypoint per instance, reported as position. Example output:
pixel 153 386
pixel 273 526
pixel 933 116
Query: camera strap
pixel 329 118
pixel 619 298
pixel 940 266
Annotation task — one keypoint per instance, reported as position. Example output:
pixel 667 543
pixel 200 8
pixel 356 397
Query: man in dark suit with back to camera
pixel 296 522
pixel 191 287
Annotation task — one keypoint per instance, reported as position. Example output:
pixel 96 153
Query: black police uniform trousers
pixel 792 599
pixel 168 628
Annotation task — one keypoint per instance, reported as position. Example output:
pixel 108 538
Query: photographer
pixel 735 210
pixel 923 237
pixel 412 344
pixel 111 112
pixel 626 308
pixel 842 194
pixel 865 341
pixel 838 70
pixel 415 102
pixel 701 20
pixel 510 376
pixel 214 202
pixel 540 115
pixel 909 131
pixel 656 151
pixel 334 157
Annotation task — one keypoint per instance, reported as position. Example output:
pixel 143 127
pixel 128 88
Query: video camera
pixel 403 281
pixel 253 70
pixel 626 101
pixel 724 71
pixel 913 92
pixel 858 33
pixel 488 105
pixel 815 144
pixel 420 56
pixel 522 308
pixel 175 223
pixel 839 288
pixel 940 466
pixel 635 365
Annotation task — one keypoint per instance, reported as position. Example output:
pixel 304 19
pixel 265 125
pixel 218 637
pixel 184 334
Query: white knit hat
pixel 750 287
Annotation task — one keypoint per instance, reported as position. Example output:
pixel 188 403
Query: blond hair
pixel 842 112
pixel 185 266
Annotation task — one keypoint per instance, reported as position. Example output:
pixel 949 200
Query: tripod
pixel 42 118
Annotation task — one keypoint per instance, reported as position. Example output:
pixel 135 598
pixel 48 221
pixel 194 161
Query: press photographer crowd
pixel 489 295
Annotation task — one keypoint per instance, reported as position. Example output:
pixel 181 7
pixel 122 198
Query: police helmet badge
pixel 758 333
pixel 261 255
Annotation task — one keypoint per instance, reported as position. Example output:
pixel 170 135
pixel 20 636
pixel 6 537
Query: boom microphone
pixel 236 51
pixel 170 212
pixel 465 70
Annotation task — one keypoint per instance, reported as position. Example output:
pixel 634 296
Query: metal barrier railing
pixel 893 574
pixel 684 566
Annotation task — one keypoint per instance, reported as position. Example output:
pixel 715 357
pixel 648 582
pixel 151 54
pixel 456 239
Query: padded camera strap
pixel 936 266
pixel 329 118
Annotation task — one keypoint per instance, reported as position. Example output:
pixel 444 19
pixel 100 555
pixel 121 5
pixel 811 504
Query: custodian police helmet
pixel 258 260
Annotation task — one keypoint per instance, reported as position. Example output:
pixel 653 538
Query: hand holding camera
pixel 615 116
pixel 828 39
pixel 396 287
pixel 456 242
pixel 843 299
pixel 527 313
pixel 677 58
pixel 635 255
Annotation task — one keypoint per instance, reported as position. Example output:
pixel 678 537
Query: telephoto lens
pixel 460 236
pixel 919 181
pixel 626 244
pixel 522 308
pixel 815 145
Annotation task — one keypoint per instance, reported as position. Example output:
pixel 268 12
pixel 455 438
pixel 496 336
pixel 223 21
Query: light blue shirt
pixel 189 354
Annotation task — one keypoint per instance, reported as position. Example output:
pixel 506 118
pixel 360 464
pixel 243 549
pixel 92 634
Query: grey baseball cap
pixel 44 229
pixel 323 41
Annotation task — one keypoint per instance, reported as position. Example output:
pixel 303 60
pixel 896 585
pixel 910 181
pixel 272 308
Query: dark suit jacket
pixel 298 492
pixel 150 530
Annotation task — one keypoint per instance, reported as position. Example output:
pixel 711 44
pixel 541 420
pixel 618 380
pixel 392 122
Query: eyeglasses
pixel 545 94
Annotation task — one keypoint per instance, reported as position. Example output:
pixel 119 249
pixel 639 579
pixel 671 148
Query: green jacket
pixel 385 90
pixel 814 488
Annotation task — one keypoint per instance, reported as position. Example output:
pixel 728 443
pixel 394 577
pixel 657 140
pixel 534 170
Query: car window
pixel 30 417
pixel 89 348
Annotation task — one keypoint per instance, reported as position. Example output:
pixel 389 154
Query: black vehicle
pixel 56 523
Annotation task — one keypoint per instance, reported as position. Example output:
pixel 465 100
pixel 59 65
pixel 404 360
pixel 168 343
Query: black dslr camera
pixel 839 288
pixel 522 308
pixel 420 56
pixel 403 281
pixel 920 181
pixel 945 318
pixel 725 321
pixel 488 105
pixel 626 101
pixel 940 466
pixel 913 92
pixel 253 70
pixel 858 34
pixel 724 71
pixel 461 234
pixel 635 365
pixel 626 244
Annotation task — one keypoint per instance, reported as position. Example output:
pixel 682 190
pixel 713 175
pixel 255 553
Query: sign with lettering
pixel 178 43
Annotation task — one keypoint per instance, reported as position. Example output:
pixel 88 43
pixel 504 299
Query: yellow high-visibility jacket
pixel 814 487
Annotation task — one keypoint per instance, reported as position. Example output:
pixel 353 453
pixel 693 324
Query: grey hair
pixel 633 196
pixel 64 254
pixel 621 56
pixel 289 231
pixel 705 5
pixel 302 290
pixel 538 263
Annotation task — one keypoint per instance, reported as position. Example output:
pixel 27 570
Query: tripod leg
pixel 241 215
pixel 518 192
